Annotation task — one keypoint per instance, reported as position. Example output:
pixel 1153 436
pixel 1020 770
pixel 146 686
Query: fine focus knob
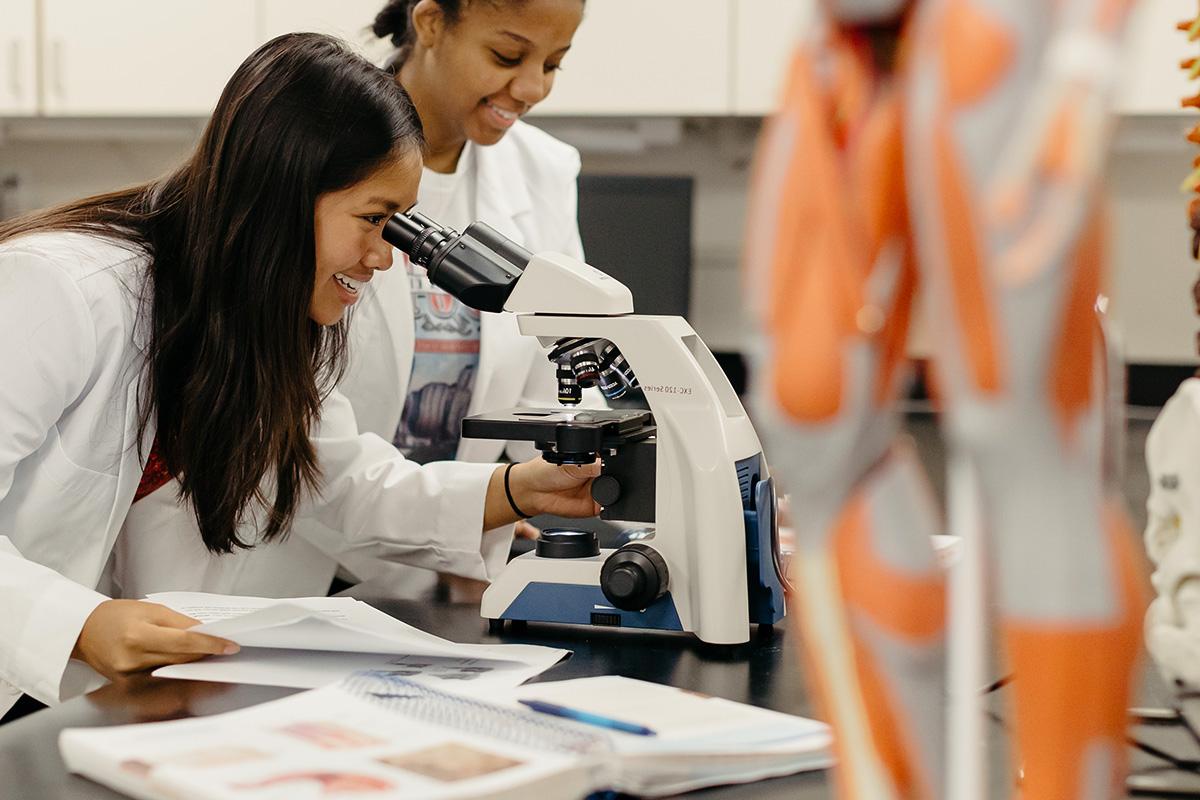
pixel 634 577
pixel 606 490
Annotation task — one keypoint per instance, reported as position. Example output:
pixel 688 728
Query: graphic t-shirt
pixel 446 347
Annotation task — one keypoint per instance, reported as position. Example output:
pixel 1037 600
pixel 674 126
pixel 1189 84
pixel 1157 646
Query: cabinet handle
pixel 14 63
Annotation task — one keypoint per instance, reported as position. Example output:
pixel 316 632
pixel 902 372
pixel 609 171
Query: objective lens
pixel 569 393
pixel 586 366
pixel 611 359
pixel 611 385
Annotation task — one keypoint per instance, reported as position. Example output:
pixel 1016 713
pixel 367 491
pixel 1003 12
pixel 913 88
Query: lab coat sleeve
pixel 384 506
pixel 47 349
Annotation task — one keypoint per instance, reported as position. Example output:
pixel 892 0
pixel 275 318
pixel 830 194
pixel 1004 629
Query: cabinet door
pixel 347 19
pixel 18 64
pixel 634 57
pixel 134 58
pixel 1151 81
pixel 765 35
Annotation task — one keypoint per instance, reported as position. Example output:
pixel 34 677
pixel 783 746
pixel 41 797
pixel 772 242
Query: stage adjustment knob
pixel 634 577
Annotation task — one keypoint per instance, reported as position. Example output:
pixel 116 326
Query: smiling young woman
pixel 174 347
pixel 349 246
pixel 418 360
pixel 473 68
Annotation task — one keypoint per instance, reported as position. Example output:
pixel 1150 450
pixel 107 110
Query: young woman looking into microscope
pixel 190 330
pixel 420 360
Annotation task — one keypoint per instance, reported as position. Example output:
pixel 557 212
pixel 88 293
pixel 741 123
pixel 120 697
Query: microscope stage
pixel 574 430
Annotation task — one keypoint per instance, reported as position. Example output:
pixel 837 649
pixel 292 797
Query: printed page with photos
pixel 323 743
pixel 388 737
pixel 308 642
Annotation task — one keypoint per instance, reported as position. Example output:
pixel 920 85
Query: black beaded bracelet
pixel 508 493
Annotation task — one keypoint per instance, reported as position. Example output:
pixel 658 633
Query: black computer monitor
pixel 638 229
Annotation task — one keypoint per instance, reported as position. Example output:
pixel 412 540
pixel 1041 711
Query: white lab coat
pixel 70 360
pixel 526 189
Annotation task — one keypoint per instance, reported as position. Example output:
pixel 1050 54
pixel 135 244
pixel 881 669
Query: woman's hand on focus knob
pixel 539 487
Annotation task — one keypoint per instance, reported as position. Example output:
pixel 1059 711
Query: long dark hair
pixel 236 370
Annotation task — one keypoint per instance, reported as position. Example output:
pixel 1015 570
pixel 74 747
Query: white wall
pixel 53 171
pixel 1152 271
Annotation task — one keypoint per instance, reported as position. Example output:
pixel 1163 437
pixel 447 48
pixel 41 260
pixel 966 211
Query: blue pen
pixel 587 717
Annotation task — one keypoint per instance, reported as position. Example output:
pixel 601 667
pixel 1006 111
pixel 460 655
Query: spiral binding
pixel 418 701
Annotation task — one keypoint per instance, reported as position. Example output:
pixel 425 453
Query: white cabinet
pixel 765 36
pixel 1151 81
pixel 347 19
pixel 634 57
pixel 131 57
pixel 630 57
pixel 18 60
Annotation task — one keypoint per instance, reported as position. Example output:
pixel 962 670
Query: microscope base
pixel 566 591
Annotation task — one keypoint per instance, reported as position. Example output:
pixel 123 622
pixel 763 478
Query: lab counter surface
pixel 764 672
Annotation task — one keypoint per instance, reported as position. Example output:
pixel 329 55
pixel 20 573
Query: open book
pixel 380 736
pixel 307 642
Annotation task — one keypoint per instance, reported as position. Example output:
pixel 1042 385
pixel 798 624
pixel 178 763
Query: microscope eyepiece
pixel 416 235
pixel 478 266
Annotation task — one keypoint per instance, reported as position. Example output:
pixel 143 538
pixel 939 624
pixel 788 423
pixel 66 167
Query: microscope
pixel 691 466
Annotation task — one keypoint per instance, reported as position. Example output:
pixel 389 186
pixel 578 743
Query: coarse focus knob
pixel 606 490
pixel 634 577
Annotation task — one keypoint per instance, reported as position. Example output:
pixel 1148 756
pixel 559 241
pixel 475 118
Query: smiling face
pixel 474 77
pixel 349 234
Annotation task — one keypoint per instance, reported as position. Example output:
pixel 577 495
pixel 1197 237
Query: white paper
pixel 682 720
pixel 311 669
pixel 308 642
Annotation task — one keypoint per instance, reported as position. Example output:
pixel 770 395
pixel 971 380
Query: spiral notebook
pixel 377 735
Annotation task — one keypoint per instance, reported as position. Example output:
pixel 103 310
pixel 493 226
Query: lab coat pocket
pixel 73 478
pixel 68 506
